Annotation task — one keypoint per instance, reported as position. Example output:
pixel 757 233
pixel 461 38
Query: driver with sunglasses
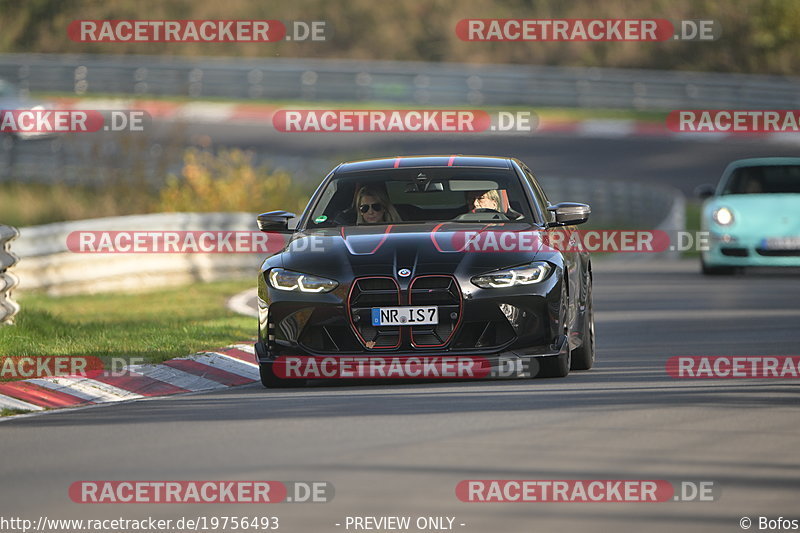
pixel 373 207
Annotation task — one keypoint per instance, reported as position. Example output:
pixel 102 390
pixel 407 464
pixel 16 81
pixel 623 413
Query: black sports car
pixel 427 257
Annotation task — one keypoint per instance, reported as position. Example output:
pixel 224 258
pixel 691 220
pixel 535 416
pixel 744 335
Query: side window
pixel 538 194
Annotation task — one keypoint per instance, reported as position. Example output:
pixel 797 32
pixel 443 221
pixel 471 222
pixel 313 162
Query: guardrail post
pixel 8 307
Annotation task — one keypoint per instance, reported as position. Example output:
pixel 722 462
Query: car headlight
pixel 509 277
pixel 723 216
pixel 286 280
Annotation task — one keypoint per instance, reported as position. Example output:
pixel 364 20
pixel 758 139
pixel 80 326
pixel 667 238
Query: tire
pixel 716 271
pixel 272 381
pixel 583 356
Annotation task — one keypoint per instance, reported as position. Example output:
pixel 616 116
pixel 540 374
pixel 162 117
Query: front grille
pixel 778 253
pixel 734 252
pixel 442 291
pixel 365 294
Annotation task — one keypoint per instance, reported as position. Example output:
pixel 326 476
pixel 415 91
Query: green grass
pixel 155 326
pixel 31 204
pixel 12 412
pixel 693 211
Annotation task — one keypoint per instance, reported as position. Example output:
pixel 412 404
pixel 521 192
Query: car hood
pixel 383 250
pixel 758 212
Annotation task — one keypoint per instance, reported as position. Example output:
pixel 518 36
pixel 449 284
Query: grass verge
pixel 12 412
pixel 155 326
pixel 693 210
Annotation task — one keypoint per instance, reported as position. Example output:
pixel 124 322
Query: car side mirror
pixel 569 213
pixel 275 221
pixel 704 191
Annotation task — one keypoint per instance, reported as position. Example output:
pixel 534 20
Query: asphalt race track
pixel 683 163
pixel 401 448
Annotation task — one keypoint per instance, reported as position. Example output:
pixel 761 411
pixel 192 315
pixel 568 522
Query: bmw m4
pixel 426 257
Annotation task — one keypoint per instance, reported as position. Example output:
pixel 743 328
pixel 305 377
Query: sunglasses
pixel 375 207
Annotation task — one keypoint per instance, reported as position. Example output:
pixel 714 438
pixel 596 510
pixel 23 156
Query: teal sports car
pixel 753 216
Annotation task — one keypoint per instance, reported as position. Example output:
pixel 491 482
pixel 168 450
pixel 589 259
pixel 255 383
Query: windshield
pixel 410 196
pixel 772 179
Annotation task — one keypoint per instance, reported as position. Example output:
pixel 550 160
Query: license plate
pixel 782 243
pixel 405 316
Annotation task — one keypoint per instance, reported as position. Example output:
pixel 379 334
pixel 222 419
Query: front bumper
pixel 511 363
pixel 729 250
pixel 514 321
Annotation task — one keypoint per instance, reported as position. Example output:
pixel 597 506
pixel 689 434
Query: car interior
pixel 443 200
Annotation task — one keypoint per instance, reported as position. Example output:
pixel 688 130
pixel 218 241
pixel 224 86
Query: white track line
pixel 238 303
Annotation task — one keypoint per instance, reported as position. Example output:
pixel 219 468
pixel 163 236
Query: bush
pixel 228 182
pixel 207 182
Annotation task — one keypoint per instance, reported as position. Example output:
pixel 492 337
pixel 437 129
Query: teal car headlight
pixel 723 216
pixel 287 280
pixel 522 275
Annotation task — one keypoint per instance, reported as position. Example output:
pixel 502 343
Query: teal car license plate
pixel 781 243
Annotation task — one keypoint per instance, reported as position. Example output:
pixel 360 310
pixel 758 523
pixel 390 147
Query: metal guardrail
pixel 618 203
pixel 625 205
pixel 49 265
pixel 395 81
pixel 8 307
